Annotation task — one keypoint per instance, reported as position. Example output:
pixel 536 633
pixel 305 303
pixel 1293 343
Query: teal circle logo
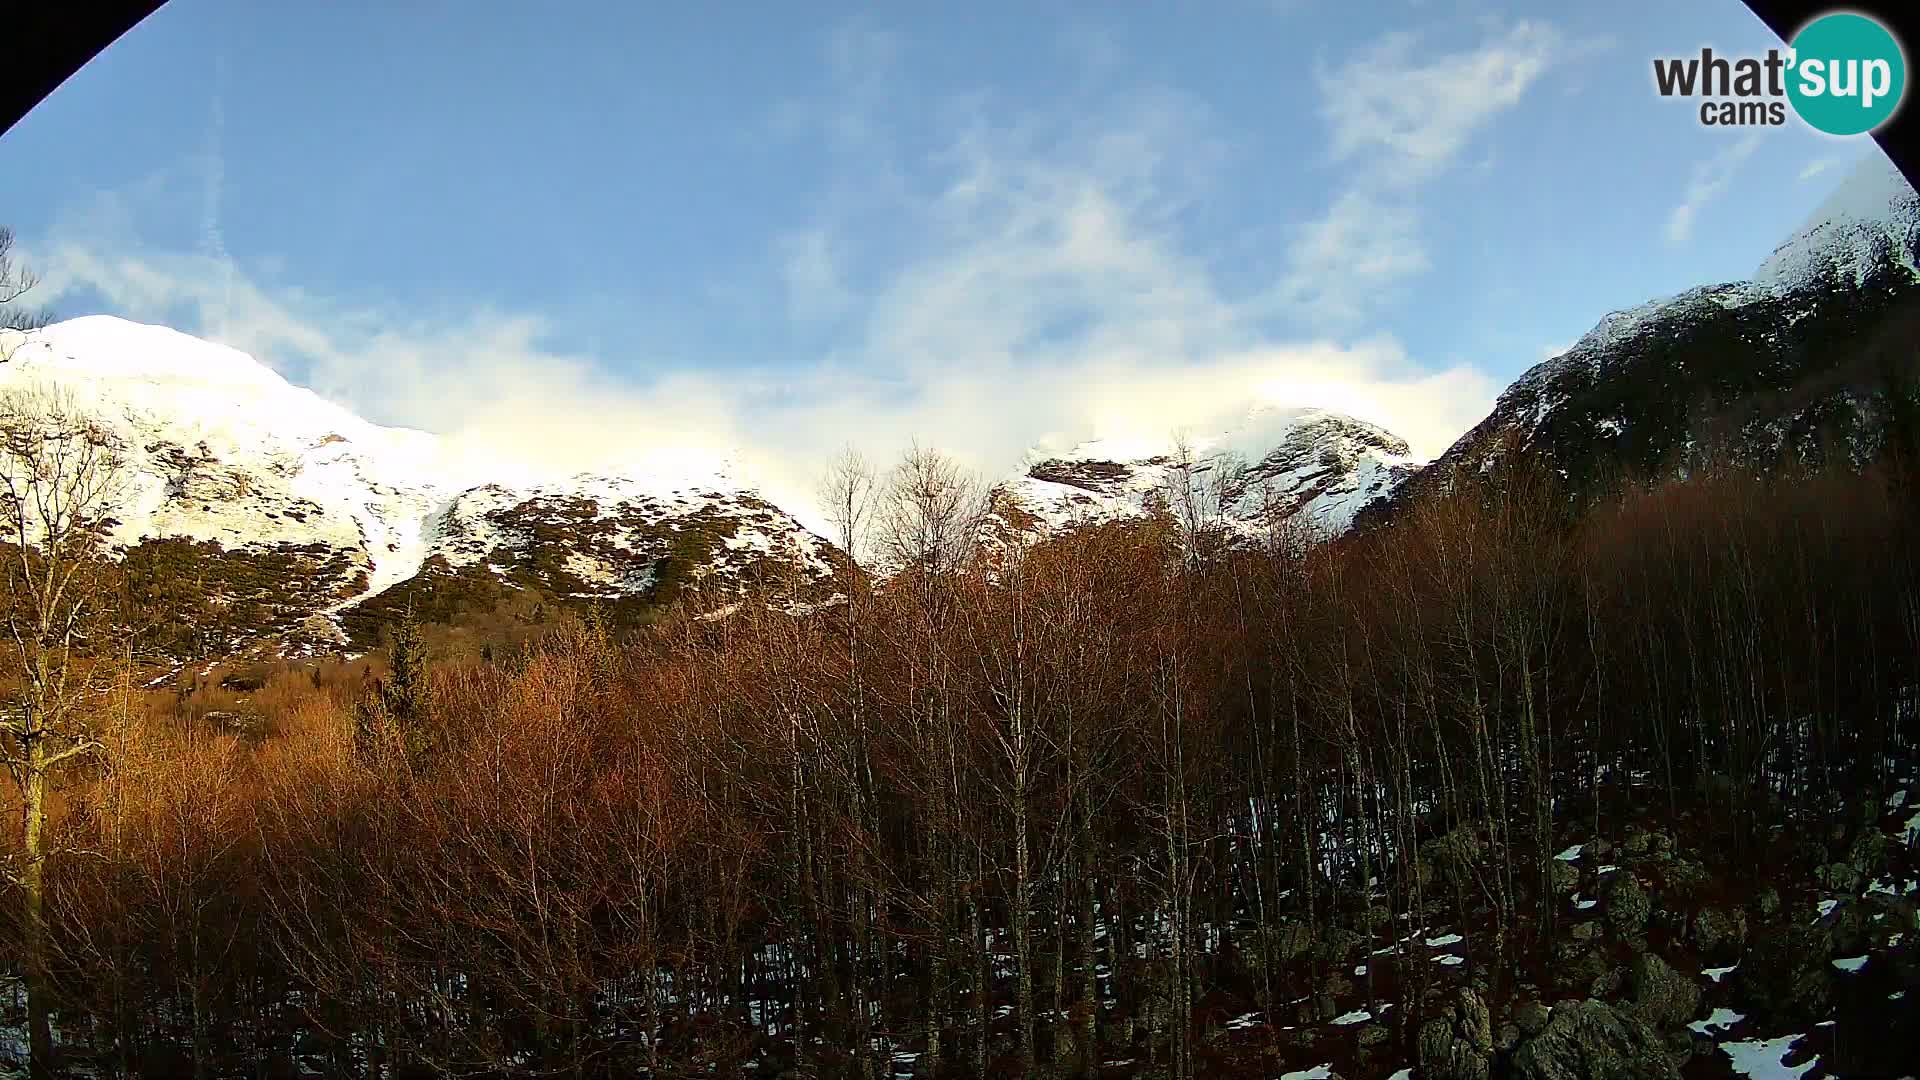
pixel 1847 75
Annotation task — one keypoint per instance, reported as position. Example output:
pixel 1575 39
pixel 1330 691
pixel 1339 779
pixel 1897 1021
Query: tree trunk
pixel 1023 924
pixel 33 880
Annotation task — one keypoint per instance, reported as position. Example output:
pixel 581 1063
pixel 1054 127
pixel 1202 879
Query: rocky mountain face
pixel 1815 356
pixel 252 506
pixel 1312 468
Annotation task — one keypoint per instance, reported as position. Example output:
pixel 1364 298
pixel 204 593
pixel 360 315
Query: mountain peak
pixel 1788 364
pixel 1871 219
pixel 109 347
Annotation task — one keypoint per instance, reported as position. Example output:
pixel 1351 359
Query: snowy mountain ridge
pixel 1309 466
pixel 222 449
pixel 1869 225
pixel 1802 358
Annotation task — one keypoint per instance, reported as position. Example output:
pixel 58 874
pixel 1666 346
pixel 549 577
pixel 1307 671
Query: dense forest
pixel 1142 798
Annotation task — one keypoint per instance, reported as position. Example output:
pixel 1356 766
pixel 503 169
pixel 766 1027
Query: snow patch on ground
pixel 1764 1059
pixel 1720 1020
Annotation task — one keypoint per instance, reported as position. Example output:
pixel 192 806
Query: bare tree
pixel 61 470
pixel 931 517
pixel 16 281
pixel 848 494
pixel 929 522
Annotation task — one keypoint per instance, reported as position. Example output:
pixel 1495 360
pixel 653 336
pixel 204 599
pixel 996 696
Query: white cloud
pixel 491 384
pixel 1342 263
pixel 1817 166
pixel 1033 282
pixel 1708 180
pixel 1408 113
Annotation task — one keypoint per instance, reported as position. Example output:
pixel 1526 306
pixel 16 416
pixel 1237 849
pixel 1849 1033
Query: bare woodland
pixel 1013 808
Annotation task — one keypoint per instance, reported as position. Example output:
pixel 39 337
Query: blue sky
pixel 775 228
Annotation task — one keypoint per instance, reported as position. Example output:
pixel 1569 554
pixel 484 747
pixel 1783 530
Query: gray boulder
pixel 1531 1017
pixel 1443 1056
pixel 1590 1040
pixel 1626 905
pixel 1868 855
pixel 1454 856
pixel 1660 995
pixel 1719 933
pixel 1785 976
pixel 1459 1044
pixel 1563 878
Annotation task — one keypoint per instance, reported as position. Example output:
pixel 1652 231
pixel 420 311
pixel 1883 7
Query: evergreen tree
pixel 397 708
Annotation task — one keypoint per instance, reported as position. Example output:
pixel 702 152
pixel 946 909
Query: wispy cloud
pixel 1399 114
pixel 809 265
pixel 1818 166
pixel 1708 181
pixel 1407 113
pixel 859 61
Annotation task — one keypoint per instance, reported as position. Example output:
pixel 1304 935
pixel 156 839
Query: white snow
pixel 1357 1016
pixel 1445 939
pixel 1716 974
pixel 1719 1019
pixel 1571 854
pixel 1850 964
pixel 1318 1072
pixel 1763 1059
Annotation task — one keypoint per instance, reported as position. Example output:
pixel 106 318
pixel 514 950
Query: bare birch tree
pixel 61 470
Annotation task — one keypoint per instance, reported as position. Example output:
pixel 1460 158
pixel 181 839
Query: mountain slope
pixel 1306 466
pixel 261 508
pixel 1813 356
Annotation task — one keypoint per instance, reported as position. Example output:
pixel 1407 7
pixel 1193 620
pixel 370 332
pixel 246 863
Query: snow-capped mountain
pixel 1308 466
pixel 231 467
pixel 1813 355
